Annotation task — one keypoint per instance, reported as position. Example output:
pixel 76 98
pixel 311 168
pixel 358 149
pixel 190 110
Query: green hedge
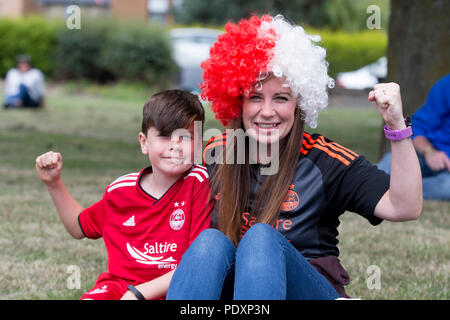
pixel 347 51
pixel 107 50
pixel 101 51
pixel 33 35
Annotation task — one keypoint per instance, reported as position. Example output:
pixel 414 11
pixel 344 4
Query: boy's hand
pixel 128 296
pixel 49 166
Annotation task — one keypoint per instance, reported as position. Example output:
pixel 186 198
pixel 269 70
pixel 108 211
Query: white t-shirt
pixel 33 80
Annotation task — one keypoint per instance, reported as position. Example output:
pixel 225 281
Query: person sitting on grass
pixel 24 85
pixel 279 193
pixel 431 140
pixel 148 218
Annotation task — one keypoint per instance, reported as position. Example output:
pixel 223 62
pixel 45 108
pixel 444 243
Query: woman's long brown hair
pixel 233 183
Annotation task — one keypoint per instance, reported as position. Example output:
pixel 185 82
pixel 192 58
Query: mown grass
pixel 96 129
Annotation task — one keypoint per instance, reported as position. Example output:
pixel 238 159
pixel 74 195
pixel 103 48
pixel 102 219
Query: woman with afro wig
pixel 279 190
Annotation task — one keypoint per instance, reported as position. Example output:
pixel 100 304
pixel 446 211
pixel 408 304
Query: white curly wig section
pixel 302 62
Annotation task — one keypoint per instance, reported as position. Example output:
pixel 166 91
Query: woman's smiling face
pixel 268 113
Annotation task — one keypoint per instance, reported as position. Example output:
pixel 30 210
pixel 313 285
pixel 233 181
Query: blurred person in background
pixel 24 85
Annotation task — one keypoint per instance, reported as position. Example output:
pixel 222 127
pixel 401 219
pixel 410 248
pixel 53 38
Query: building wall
pixel 59 11
pixel 31 7
pixel 122 9
pixel 130 9
pixel 18 8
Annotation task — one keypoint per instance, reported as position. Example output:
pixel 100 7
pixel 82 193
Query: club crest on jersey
pixel 176 220
pixel 291 201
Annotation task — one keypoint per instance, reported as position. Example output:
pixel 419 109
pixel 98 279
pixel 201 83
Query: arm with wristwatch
pixel 150 290
pixel 403 200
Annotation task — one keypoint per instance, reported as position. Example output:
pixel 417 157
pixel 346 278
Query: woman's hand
pixel 388 102
pixel 403 200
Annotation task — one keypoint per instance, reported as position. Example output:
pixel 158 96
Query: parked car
pixel 190 48
pixel 365 77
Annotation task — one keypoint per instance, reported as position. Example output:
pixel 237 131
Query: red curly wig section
pixel 235 62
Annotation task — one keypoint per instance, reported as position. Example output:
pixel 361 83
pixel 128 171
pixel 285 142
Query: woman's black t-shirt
pixel 329 179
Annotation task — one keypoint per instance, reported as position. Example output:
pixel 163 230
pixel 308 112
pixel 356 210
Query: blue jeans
pixel 265 266
pixel 435 184
pixel 23 96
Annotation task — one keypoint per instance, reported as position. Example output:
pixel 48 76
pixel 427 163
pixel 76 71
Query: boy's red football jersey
pixel 146 237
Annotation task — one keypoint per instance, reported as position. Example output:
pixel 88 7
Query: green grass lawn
pixel 95 128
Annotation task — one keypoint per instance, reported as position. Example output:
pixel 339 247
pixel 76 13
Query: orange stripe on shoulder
pixel 325 147
pixel 328 152
pixel 304 151
pixel 216 138
pixel 212 145
pixel 348 150
pixel 335 147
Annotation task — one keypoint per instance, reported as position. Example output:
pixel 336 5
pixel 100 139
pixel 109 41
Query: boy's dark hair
pixel 170 110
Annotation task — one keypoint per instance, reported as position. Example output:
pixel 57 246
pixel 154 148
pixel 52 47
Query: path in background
pixel 339 97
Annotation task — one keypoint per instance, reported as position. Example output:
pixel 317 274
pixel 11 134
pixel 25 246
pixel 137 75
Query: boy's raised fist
pixel 49 166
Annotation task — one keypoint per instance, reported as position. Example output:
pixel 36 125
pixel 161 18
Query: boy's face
pixel 171 155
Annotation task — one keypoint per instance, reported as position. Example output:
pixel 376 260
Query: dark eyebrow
pixel 280 93
pixel 276 94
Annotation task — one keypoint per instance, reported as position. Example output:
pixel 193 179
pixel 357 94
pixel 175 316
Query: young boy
pixel 148 218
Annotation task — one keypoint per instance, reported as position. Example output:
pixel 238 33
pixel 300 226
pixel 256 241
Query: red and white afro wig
pixel 248 51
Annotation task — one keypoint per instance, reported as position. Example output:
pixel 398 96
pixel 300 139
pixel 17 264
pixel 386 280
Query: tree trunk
pixel 418 50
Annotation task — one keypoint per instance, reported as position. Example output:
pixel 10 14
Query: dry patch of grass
pixel 412 257
pixel 97 136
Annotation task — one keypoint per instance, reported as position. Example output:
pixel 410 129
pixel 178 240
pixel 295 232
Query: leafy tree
pixel 348 15
pixel 418 50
